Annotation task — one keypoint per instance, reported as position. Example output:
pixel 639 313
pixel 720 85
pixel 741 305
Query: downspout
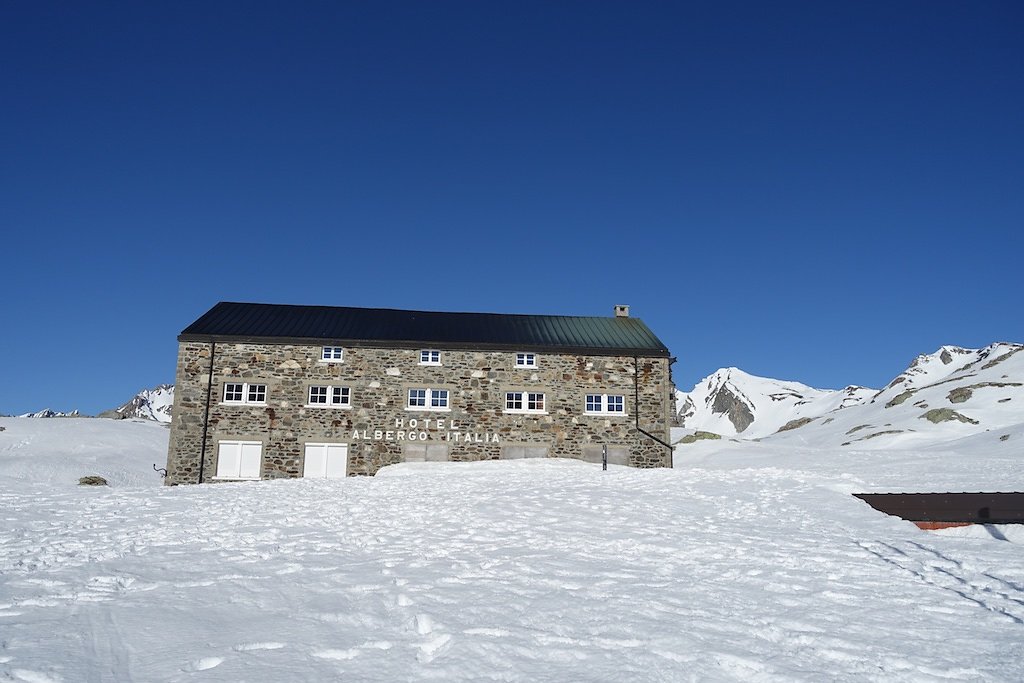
pixel 206 412
pixel 636 408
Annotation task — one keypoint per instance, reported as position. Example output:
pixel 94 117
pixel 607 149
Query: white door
pixel 326 460
pixel 228 456
pixel 239 459
pixel 251 460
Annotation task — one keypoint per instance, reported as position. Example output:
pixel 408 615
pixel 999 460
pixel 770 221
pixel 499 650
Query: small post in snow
pixel 604 457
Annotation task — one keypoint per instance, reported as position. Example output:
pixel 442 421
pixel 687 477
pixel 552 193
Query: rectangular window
pixel 240 392
pixel 514 400
pixel 332 354
pixel 605 404
pixel 239 459
pixel 519 452
pixel 524 402
pixel 617 455
pixel 425 452
pixel 330 396
pixel 234 393
pixel 427 399
pixel 526 360
pixel 257 393
pixel 430 357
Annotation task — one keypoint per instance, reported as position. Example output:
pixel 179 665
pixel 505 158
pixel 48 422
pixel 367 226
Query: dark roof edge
pixel 424 344
pixel 415 311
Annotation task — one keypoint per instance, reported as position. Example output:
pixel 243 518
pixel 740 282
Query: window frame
pixel 525 398
pixel 344 391
pixel 430 395
pixel 332 359
pixel 430 355
pixel 248 389
pixel 524 355
pixel 604 402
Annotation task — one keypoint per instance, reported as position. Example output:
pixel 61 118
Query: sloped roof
pixel 279 323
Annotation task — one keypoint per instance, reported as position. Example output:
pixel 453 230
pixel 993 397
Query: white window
pixel 425 452
pixel 605 404
pixel 239 459
pixel 524 402
pixel 242 392
pixel 427 399
pixel 430 357
pixel 337 397
pixel 325 461
pixel 517 452
pixel 526 360
pixel 332 354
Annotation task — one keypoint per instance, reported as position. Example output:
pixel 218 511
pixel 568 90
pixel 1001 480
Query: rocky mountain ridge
pixel 46 412
pixel 149 404
pixel 951 393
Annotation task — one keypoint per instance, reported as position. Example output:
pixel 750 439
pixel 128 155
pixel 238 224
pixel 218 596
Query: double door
pixel 326 460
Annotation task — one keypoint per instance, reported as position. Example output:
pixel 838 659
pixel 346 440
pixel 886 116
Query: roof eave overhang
pixel 421 343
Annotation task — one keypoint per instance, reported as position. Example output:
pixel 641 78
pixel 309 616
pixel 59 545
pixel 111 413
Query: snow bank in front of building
pixel 761 569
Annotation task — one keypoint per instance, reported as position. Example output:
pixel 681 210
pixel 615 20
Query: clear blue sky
pixel 816 191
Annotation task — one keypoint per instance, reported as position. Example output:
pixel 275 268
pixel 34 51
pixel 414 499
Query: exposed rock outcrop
pixel 728 404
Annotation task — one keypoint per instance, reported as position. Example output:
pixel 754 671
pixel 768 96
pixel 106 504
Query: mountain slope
pixel 731 402
pixel 148 404
pixel 46 412
pixel 946 395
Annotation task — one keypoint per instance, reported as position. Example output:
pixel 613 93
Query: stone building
pixel 266 391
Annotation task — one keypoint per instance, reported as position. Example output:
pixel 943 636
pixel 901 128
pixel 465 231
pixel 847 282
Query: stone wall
pixel 378 423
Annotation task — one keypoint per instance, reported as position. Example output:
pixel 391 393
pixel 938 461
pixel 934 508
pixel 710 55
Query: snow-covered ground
pixel 747 562
pixel 41 453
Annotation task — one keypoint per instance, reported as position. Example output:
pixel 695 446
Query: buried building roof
pixel 278 323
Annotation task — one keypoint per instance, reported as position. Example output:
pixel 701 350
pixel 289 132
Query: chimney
pixel 621 311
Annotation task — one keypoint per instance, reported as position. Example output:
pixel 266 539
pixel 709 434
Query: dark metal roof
pixel 230 321
pixel 978 508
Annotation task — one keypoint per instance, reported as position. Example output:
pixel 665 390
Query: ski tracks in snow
pixel 520 571
pixel 981 588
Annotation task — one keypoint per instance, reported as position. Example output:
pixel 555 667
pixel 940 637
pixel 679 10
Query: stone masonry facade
pixel 378 425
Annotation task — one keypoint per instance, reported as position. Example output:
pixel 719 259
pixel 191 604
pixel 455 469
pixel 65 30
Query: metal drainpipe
pixel 206 413
pixel 636 408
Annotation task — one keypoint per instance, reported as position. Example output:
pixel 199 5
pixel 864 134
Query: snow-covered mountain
pixel 947 395
pixel 731 402
pixel 148 404
pixel 46 412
